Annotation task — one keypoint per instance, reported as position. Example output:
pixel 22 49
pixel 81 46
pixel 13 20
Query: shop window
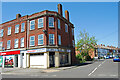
pixel 17 28
pixel 40 22
pixel 1 33
pixel 63 58
pixel 9 30
pixel 51 39
pixel 32 25
pixel 22 27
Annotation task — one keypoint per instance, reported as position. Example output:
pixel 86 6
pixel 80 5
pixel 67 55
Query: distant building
pixel 101 51
pixel 41 40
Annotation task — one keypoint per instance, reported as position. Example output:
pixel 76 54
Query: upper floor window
pixel 66 28
pixel 1 33
pixel 22 42
pixel 32 40
pixel 58 23
pixel 51 39
pixel 17 28
pixel 40 39
pixel 72 31
pixel 59 39
pixel 73 43
pixel 8 44
pixel 1 43
pixel 16 43
pixel 40 22
pixel 22 27
pixel 9 30
pixel 32 25
pixel 51 22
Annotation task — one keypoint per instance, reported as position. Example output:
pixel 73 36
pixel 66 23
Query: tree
pixel 85 43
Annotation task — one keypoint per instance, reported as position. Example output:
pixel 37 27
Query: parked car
pixel 106 57
pixel 116 59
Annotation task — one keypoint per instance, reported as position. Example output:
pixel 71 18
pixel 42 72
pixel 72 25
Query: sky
pixel 99 19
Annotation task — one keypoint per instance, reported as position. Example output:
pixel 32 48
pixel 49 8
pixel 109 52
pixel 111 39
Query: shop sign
pixel 36 50
pixel 10 53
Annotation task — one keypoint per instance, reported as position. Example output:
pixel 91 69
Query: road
pixel 99 69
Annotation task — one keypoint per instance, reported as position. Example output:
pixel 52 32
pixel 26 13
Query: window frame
pixel 41 22
pixel 8 46
pixel 1 32
pixel 22 42
pixel 53 38
pixel 16 43
pixel 9 31
pixel 22 27
pixel 73 42
pixel 41 39
pixel 30 24
pixel 17 28
pixel 59 39
pixel 51 23
pixel 66 26
pixel 59 25
pixel 32 40
pixel 1 45
pixel 73 31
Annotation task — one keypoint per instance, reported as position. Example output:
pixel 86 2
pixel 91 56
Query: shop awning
pixel 9 53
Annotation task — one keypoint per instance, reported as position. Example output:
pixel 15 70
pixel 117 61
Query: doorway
pixel 52 59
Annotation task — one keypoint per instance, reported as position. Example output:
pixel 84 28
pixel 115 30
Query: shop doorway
pixel 52 59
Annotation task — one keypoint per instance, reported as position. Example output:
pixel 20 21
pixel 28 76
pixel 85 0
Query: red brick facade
pixel 66 37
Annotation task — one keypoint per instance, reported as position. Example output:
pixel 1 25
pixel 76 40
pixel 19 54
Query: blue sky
pixel 99 19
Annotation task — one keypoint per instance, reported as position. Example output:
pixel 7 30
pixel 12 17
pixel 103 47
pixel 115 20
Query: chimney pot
pixel 18 16
pixel 60 9
pixel 67 15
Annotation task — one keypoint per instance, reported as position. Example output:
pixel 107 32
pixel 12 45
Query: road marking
pixel 95 68
pixel 93 71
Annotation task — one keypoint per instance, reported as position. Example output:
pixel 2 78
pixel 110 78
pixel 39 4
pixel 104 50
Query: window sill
pixel 51 27
pixel 40 44
pixel 22 31
pixel 40 27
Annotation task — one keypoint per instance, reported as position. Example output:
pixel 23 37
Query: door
pixel 52 59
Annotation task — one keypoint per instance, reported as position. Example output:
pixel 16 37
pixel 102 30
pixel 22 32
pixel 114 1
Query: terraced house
pixel 41 40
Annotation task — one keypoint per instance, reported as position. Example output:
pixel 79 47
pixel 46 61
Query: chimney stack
pixel 67 15
pixel 60 9
pixel 18 16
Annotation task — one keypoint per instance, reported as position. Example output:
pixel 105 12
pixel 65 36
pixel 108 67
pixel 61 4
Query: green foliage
pixel 80 58
pixel 85 43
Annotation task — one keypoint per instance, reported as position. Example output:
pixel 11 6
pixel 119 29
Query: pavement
pixel 98 69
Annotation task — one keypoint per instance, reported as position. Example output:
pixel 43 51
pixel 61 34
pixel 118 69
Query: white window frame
pixel 8 45
pixel 51 38
pixel 9 30
pixel 17 28
pixel 59 39
pixel 41 39
pixel 22 42
pixel 1 32
pixel 59 27
pixel 51 21
pixel 16 41
pixel 32 40
pixel 40 22
pixel 22 27
pixel 1 45
pixel 66 26
pixel 32 24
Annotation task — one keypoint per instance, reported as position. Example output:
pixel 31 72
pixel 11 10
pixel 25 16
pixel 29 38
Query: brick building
pixel 101 51
pixel 41 40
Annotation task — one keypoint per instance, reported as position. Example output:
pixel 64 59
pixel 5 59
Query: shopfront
pixel 9 59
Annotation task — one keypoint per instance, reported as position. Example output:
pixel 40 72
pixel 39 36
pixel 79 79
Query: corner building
pixel 41 40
